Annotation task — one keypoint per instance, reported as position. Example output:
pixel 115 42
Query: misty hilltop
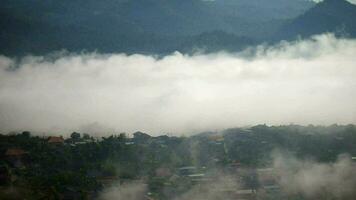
pixel 161 26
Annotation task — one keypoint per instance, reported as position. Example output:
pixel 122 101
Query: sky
pixel 306 82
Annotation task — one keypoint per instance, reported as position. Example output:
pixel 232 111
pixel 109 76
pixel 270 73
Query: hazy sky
pixel 311 81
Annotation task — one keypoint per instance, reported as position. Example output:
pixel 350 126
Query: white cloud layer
pixel 311 81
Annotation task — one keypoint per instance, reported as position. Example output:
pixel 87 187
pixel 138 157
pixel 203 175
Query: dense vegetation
pixel 80 167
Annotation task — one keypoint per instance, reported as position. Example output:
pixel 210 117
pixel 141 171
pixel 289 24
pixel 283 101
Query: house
pixel 188 170
pixel 230 193
pixel 267 175
pixel 55 141
pixel 235 164
pixel 216 139
pixel 80 143
pixel 245 194
pixel 16 157
pixel 140 137
pixel 199 178
pixel 15 152
pixel 269 179
pixel 163 172
pixel 129 143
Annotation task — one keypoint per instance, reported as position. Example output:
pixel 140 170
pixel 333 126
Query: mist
pixel 315 180
pixel 132 191
pixel 295 177
pixel 305 82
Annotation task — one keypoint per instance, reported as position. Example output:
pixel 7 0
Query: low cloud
pixel 315 180
pixel 309 81
pixel 217 189
pixel 129 191
pixel 293 178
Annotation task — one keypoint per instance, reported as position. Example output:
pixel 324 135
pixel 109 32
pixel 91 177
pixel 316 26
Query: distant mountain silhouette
pixel 215 41
pixel 337 16
pixel 163 26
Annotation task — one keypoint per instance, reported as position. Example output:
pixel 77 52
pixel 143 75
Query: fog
pixel 309 81
pixel 316 180
pixel 129 191
pixel 295 178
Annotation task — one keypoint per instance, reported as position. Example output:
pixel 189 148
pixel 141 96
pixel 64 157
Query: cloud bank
pixel 310 81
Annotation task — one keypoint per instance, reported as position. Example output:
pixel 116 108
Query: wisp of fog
pixel 308 81
pixel 295 177
pixel 315 180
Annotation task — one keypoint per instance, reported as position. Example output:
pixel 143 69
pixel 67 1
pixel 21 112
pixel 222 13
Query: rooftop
pixel 54 139
pixel 15 152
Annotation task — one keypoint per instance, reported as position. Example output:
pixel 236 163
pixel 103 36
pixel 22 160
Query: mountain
pixel 336 16
pixel 139 26
pixel 260 18
pixel 214 41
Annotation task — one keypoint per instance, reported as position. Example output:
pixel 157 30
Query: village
pixel 81 167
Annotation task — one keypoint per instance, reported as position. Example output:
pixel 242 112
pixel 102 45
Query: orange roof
pixel 54 139
pixel 216 138
pixel 15 152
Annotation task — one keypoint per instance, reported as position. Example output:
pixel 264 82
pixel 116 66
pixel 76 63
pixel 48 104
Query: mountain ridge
pixel 336 16
pixel 164 26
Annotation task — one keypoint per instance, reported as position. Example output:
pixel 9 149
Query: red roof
pixel 15 152
pixel 54 139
